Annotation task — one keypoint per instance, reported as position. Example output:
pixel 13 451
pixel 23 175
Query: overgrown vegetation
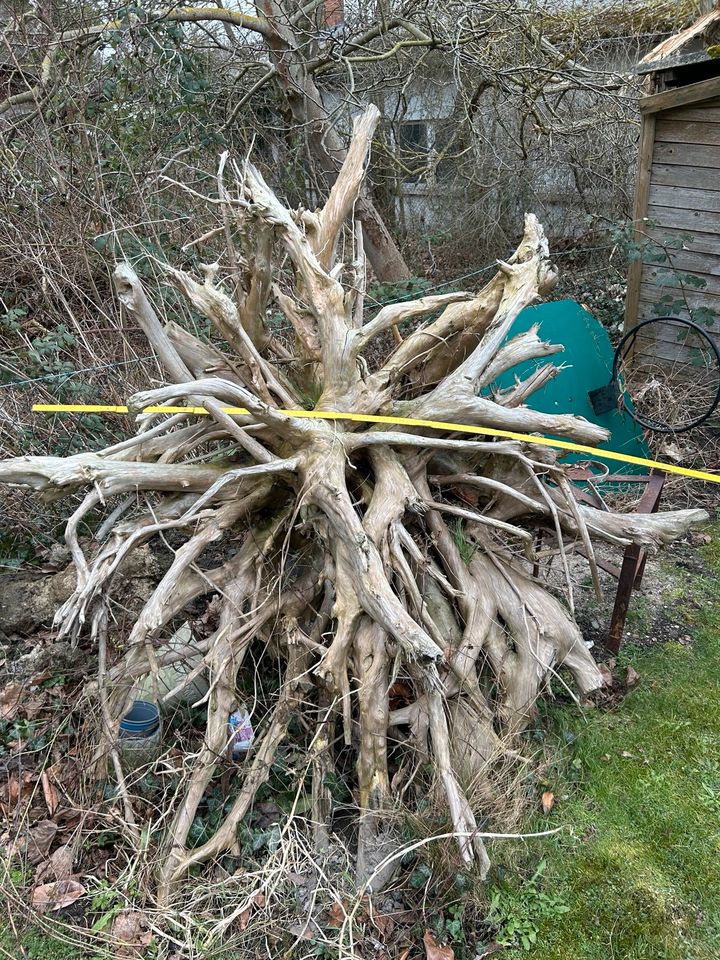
pixel 106 159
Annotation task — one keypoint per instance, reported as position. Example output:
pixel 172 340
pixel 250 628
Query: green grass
pixel 640 789
pixel 33 944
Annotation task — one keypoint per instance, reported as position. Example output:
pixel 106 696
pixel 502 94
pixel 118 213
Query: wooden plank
pixel 671 347
pixel 689 198
pixel 691 300
pixel 694 221
pixel 699 243
pixel 707 112
pixel 698 155
pixel 692 93
pixel 711 288
pixel 642 189
pixel 695 298
pixel 673 356
pixel 671 332
pixel 671 335
pixel 654 334
pixel 686 131
pixel 700 359
pixel 676 175
pixel 675 364
pixel 699 265
pixel 673 360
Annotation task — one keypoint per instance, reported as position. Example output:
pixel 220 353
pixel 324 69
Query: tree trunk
pixel 326 146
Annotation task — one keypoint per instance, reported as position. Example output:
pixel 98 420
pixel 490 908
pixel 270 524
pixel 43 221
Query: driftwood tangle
pixel 368 552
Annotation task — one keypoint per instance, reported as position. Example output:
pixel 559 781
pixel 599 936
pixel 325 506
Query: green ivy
pixel 669 278
pixel 518 912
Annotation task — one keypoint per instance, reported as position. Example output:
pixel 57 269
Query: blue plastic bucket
pixel 143 720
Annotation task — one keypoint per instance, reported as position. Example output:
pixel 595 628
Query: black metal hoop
pixel 620 352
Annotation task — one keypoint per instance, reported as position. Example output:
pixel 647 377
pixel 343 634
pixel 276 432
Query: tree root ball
pixel 353 556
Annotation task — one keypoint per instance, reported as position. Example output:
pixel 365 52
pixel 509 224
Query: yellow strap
pixel 404 422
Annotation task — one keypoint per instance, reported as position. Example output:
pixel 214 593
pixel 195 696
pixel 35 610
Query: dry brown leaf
pixel 18 788
pixel 55 896
pixel 31 706
pixel 468 494
pixel 548 801
pixel 67 818
pixel 384 924
pixel 336 915
pixel 244 918
pixel 433 951
pixel 65 774
pixel 38 842
pixel 400 694
pixel 607 677
pixel 56 770
pixel 38 678
pixel 130 927
pixel 59 866
pixel 13 789
pixel 632 678
pixel 10 700
pixel 49 792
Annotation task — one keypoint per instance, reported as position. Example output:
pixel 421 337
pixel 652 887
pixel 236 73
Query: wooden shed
pixel 677 200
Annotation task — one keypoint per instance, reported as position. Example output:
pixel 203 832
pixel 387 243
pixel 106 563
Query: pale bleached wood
pixel 329 531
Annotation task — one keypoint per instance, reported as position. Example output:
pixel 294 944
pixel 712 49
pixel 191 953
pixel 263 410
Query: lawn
pixel 639 789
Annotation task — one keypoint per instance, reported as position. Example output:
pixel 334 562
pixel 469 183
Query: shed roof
pixel 689 46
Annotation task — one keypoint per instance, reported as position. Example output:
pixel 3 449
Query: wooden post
pixel 642 193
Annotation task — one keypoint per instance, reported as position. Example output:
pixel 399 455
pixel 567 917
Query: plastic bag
pixel 241 731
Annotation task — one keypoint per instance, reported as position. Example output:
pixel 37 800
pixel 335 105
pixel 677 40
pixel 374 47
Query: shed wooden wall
pixel 678 191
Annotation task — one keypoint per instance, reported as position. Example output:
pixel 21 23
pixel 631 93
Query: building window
pixel 420 148
pixel 413 146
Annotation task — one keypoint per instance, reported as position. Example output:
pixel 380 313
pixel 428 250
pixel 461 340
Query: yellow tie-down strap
pixel 402 422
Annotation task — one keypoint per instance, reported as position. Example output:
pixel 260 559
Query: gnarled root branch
pixel 384 574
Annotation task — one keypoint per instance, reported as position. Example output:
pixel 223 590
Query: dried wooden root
pixel 361 559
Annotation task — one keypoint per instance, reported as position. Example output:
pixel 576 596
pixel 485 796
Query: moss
pixel 34 944
pixel 638 861
pixel 620 19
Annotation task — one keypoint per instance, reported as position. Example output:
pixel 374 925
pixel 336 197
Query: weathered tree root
pixel 352 567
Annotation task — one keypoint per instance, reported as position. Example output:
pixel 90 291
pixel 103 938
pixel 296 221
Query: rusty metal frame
pixel 633 565
pixel 629 575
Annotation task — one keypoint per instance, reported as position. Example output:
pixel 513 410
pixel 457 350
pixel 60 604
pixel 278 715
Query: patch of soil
pixel 654 615
pixel 30 598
